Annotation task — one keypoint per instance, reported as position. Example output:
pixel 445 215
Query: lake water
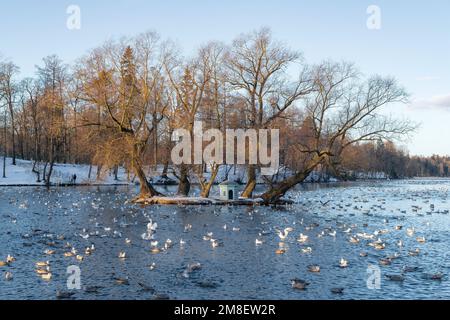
pixel 33 220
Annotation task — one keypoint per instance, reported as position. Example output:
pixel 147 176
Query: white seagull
pixel 284 234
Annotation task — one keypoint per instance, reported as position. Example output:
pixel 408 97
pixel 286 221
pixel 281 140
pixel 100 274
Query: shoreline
pixel 125 184
pixel 197 201
pixel 66 185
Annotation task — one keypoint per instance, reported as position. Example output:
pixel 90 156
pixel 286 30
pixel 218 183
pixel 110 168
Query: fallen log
pixel 198 201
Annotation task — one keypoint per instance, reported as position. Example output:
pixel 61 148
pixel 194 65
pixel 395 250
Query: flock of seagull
pixel 372 241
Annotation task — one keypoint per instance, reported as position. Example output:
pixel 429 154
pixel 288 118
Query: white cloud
pixel 435 102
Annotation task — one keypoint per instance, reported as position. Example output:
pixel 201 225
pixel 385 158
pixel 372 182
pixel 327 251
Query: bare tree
pixel 119 84
pixel 30 96
pixel 9 90
pixel 258 71
pixel 52 78
pixel 189 82
pixel 5 139
pixel 213 108
pixel 342 111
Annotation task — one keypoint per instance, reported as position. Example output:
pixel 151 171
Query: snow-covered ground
pixel 21 174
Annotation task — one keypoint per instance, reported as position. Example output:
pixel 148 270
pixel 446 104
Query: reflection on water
pixel 33 220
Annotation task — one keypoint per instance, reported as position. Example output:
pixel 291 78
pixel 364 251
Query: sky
pixel 412 44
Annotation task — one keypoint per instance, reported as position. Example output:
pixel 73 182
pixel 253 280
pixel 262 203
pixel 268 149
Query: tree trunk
pixel 280 189
pixel 165 169
pixel 184 186
pixel 13 127
pixel 206 188
pixel 99 171
pixel 4 164
pixel 49 175
pixel 21 146
pixel 36 144
pixel 147 190
pixel 274 194
pixel 44 173
pixel 116 172
pixel 36 172
pixel 5 149
pixel 155 143
pixel 251 182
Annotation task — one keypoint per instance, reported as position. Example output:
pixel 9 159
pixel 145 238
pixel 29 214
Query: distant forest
pixel 386 157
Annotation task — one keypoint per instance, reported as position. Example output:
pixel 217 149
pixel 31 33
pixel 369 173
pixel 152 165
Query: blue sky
pixel 413 44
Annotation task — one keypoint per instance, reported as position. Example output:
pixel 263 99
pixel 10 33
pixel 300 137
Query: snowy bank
pixel 21 175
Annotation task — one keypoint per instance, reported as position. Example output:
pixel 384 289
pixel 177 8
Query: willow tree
pixel 118 84
pixel 189 82
pixel 341 111
pixel 258 71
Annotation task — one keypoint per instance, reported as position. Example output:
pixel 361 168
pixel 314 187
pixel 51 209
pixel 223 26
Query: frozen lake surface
pixel 33 220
